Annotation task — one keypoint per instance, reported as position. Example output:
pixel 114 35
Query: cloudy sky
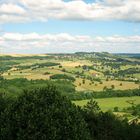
pixel 54 26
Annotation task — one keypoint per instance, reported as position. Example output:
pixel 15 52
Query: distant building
pixel 95 74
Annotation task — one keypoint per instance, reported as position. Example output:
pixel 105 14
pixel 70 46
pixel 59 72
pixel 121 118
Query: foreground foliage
pixel 42 114
pixel 106 126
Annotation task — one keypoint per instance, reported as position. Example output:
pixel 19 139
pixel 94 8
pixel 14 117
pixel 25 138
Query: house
pixel 95 74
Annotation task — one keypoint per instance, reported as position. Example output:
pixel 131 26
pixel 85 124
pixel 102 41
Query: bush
pixel 63 77
pixel 45 115
pixel 107 126
pixel 107 93
pixel 14 87
pixel 116 109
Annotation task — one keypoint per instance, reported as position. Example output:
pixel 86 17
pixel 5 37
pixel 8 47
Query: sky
pixel 68 26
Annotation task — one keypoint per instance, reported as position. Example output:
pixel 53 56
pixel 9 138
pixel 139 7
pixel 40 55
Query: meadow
pixel 108 104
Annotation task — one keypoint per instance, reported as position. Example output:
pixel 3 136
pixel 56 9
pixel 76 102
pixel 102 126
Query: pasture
pixel 107 104
pixel 90 74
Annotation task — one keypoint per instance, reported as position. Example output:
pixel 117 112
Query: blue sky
pixel 93 28
pixel 69 26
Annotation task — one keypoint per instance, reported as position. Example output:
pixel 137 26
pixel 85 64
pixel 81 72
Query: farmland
pixel 86 72
pixel 108 104
pixel 91 71
pixel 104 87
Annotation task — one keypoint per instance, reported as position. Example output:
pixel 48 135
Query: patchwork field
pixel 79 72
pixel 89 73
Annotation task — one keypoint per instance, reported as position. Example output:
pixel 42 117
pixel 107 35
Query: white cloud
pixel 42 10
pixel 36 43
pixel 11 9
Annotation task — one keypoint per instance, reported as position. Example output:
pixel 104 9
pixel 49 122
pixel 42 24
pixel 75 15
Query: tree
pixel 5 102
pixel 63 70
pixel 116 109
pixel 112 86
pixel 105 88
pixel 45 115
pixel 120 84
pixel 83 81
pixel 92 106
pixel 1 78
pixel 101 82
pixel 60 66
pixel 79 84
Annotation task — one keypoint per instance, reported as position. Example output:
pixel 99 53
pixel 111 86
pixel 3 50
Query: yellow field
pixel 98 87
pixel 74 63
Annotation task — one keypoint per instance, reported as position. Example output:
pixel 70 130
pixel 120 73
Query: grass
pixel 137 75
pixel 109 103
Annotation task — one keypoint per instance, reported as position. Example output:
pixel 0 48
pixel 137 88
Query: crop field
pixel 91 74
pixel 96 86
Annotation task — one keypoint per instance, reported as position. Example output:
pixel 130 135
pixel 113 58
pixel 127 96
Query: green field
pixel 109 103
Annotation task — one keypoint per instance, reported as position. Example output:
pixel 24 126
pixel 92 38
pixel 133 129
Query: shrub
pixel 62 76
pixel 45 115
pixel 116 109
